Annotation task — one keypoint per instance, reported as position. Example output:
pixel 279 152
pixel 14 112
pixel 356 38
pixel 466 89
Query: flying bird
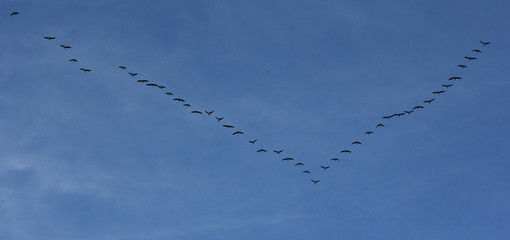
pixel 186 105
pixel 400 114
pixel 454 78
pixel 278 152
pixel 379 125
pixel 64 46
pixel 151 84
pixel 315 181
pixel 429 101
pixel 345 151
pixel 306 171
pixel 299 164
pixel 197 112
pixel 447 85
pixel 142 81
pixel 288 159
pixel 470 58
pixel 122 67
pixel 219 118
pixel 132 74
pixel 262 150
pixel 324 167
pixel 14 13
pixel 179 100
pixel 438 92
pixel 477 50
pixel 335 159
pixel 387 117
pixel 169 93
pixel 49 38
pixel 209 113
pixel 238 132
pixel 228 126
pixel 484 43
pixel 252 141
pixel 368 133
pixel 85 70
pixel 355 142
pixel 462 66
pixel 418 107
pixel 73 60
pixel 161 87
pixel 408 112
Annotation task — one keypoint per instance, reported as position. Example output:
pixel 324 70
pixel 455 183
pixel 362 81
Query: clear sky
pixel 97 155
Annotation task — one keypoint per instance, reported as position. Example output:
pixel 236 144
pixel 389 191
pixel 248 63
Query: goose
pixel 85 70
pixel 278 152
pixel 49 38
pixel 133 74
pixel 447 85
pixel 299 164
pixel 238 132
pixel 315 181
pixel 323 167
pixel 252 141
pixel 379 125
pixel 14 13
pixel 73 60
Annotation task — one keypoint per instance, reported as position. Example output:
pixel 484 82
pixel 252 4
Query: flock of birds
pixel 219 119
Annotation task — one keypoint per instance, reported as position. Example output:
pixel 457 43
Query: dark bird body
pixel 151 84
pixel 169 93
pixel 179 100
pixel 369 132
pixel 447 85
pixel 323 167
pixel 315 181
pixel 335 159
pixel 299 164
pixel 133 74
pixel 73 60
pixel 477 51
pixel 484 43
pixel 454 78
pixel 209 113
pixel 122 67
pixel 278 152
pixel 14 13
pixel 379 125
pixel 219 118
pixel 429 101
pixel 85 70
pixel 197 112
pixel 238 132
pixel 228 126
pixel 438 92
pixel 408 112
pixel 252 141
pixel 288 159
pixel 306 171
pixel 345 151
pixel 355 142
pixel 161 87
pixel 142 81
pixel 49 38
pixel 186 105
pixel 462 66
pixel 64 46
pixel 262 150
pixel 418 107
pixel 470 58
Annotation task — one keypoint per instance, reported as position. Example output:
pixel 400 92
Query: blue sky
pixel 97 155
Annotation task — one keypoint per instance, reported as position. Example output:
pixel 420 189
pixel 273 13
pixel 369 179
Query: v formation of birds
pixel 300 165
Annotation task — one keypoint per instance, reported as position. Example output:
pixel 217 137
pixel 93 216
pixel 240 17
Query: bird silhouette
pixel 306 171
pixel 429 101
pixel 462 66
pixel 355 142
pixel 408 112
pixel 299 164
pixel 262 150
pixel 122 67
pixel 335 159
pixel 142 81
pixel 73 60
pixel 447 85
pixel 484 43
pixel 418 107
pixel 197 112
pixel 64 46
pixel 228 126
pixel 454 78
pixel 161 87
pixel 438 92
pixel 400 114
pixel 238 132
pixel 345 151
pixel 387 117
pixel 470 58
pixel 315 181
pixel 49 38
pixel 151 84
pixel 323 167
pixel 219 118
pixel 288 159
pixel 85 70
pixel 186 105
pixel 252 141
pixel 477 51
pixel 369 132
pixel 132 74
pixel 14 13
pixel 179 100
pixel 169 93
pixel 379 125
pixel 209 113
pixel 278 152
